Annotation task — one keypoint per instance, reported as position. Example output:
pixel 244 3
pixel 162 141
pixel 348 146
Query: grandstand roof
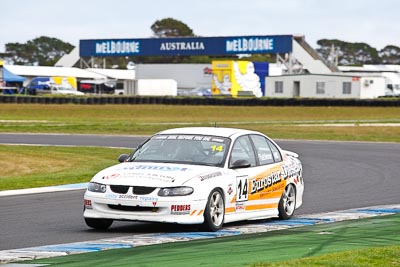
pixel 53 72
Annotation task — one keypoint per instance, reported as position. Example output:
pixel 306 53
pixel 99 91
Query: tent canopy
pixel 8 76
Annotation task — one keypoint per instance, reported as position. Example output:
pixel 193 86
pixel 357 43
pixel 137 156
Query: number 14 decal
pixel 242 188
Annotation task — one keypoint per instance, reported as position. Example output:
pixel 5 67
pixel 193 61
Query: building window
pixel 279 87
pixel 320 88
pixel 119 86
pixel 347 88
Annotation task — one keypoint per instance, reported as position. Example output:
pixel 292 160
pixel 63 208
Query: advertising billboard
pixel 186 46
pixel 238 77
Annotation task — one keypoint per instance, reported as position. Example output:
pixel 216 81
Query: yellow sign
pixel 222 78
pixel 230 77
pixel 65 81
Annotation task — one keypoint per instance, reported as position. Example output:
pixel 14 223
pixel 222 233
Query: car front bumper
pixel 182 210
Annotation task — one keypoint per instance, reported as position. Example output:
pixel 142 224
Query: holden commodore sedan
pixel 197 175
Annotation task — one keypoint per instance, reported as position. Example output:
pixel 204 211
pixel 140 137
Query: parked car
pixel 197 175
pixel 199 91
pixel 64 91
pixel 45 85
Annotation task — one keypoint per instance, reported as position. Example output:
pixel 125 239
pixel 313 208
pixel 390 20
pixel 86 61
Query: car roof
pixel 216 131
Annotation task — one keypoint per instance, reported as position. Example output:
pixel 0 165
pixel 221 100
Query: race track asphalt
pixel 338 176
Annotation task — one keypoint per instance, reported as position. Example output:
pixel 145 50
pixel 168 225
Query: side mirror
pixel 123 157
pixel 240 163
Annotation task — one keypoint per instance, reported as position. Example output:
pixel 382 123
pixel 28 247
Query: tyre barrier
pixel 214 101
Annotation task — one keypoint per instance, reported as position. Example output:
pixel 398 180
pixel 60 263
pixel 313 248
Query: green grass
pixel 42 166
pixel 364 242
pixel 37 166
pixel 369 257
pixel 277 122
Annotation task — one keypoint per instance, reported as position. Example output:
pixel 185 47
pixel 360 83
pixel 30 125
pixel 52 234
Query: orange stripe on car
pixel 229 210
pixel 262 206
pixel 193 212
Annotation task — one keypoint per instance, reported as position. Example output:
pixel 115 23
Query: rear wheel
pixel 99 224
pixel 215 211
pixel 287 204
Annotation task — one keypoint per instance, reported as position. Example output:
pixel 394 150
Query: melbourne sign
pixel 187 46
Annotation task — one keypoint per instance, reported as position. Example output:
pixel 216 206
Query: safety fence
pixel 132 100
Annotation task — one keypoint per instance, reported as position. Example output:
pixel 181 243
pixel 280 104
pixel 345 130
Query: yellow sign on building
pixel 65 81
pixel 233 77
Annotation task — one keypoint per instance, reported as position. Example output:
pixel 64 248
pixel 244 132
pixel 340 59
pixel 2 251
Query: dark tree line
pixel 347 53
pixel 43 51
pixel 46 51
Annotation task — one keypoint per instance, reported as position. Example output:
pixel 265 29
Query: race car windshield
pixel 185 149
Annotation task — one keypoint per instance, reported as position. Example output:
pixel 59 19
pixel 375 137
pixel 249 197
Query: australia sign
pixel 187 46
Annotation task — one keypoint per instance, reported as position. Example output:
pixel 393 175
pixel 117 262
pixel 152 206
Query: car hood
pixel 151 174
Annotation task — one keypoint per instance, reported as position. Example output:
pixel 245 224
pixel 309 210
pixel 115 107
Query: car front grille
pixel 143 190
pixel 138 190
pixel 133 208
pixel 120 189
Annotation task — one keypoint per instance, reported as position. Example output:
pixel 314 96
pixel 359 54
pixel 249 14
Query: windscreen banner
pixel 187 46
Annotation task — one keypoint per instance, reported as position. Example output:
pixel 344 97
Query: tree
pixel 42 51
pixel 170 27
pixel 390 54
pixel 349 53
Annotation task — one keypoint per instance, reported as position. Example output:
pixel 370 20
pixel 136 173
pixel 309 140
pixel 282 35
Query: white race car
pixel 197 175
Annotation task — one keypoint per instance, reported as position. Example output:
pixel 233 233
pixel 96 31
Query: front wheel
pixel 99 224
pixel 215 211
pixel 287 204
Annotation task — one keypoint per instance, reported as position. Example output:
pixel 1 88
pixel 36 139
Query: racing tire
pixel 287 203
pixel 214 212
pixel 99 224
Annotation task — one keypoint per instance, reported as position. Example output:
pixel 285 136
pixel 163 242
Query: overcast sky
pixel 371 21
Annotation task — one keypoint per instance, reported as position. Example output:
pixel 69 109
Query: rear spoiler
pixel 290 153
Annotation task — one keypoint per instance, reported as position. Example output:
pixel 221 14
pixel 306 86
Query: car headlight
pixel 175 191
pixel 96 187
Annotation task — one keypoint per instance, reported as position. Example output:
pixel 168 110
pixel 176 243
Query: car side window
pixel 263 149
pixel 243 150
pixel 275 152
